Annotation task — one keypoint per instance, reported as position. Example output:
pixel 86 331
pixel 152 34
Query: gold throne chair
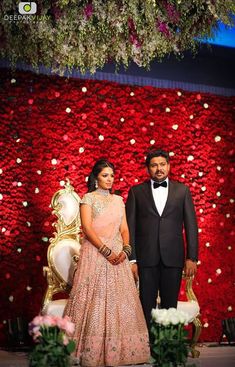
pixel 192 308
pixel 63 251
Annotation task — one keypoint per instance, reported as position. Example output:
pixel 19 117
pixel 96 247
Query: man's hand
pixel 134 269
pixel 190 268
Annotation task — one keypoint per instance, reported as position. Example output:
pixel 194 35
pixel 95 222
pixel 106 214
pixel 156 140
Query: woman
pixel 110 328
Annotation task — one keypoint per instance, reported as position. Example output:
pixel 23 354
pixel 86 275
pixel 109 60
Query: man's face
pixel 158 169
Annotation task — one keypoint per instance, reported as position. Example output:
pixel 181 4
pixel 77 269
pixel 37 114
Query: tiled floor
pixel 211 355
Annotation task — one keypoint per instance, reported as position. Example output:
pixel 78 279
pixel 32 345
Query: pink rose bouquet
pixel 53 343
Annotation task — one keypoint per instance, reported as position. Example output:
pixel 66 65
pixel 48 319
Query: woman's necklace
pixel 103 192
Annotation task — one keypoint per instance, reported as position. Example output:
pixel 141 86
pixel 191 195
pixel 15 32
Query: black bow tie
pixel 156 184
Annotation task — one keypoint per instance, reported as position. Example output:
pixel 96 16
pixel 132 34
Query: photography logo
pixel 27 7
pixel 27 13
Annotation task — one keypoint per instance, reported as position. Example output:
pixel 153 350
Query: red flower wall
pixel 53 128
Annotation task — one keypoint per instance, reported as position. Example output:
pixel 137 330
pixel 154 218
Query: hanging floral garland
pixel 64 34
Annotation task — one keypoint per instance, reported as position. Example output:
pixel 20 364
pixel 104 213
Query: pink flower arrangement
pixel 48 321
pixel 52 335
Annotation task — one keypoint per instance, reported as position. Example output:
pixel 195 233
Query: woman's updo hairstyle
pixel 98 167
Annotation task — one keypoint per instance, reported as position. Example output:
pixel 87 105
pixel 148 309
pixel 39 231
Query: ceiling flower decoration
pixel 87 34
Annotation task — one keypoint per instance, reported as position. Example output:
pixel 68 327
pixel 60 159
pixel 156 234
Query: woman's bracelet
pixel 105 251
pixel 127 250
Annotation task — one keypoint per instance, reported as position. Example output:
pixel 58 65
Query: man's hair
pixel 156 153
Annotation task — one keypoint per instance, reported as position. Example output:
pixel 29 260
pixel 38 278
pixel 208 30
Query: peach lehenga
pixel 110 328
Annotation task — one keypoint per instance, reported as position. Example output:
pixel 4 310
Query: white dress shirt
pixel 160 196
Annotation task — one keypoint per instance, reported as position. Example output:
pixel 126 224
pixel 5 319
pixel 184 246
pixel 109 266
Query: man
pixel 157 212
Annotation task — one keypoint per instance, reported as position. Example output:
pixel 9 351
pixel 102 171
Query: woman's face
pixel 105 178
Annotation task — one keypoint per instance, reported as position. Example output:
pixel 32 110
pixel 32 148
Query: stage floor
pixel 211 355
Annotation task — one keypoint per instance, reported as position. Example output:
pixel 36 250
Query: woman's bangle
pixel 105 251
pixel 127 250
pixel 125 254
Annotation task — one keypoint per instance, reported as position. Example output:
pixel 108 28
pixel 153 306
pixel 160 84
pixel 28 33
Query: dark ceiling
pixel 212 65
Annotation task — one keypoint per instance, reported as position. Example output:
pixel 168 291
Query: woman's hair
pixel 156 153
pixel 98 167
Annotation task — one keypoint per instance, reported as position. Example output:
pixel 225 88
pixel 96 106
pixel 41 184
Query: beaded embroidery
pixel 97 201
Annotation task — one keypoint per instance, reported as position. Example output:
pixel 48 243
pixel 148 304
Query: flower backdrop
pixel 86 34
pixel 53 128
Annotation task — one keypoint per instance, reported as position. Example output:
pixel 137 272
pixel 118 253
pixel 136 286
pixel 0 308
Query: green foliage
pixel 169 347
pixel 51 349
pixel 87 34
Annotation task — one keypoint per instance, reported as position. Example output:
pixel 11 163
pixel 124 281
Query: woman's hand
pixel 120 258
pixel 112 258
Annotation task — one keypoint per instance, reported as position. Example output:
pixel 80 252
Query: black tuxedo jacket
pixel 154 237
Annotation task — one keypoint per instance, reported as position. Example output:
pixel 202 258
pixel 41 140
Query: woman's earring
pixel 96 184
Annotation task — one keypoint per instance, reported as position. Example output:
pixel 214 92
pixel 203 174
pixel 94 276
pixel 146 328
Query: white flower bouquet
pixel 169 343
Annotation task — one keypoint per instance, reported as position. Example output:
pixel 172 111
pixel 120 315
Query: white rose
pixel 174 319
pixel 162 315
pixel 154 314
pixel 183 317
pixel 166 321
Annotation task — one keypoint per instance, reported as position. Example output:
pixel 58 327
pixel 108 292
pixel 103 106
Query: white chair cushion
pixel 55 308
pixel 190 307
pixel 62 258
pixel 69 207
